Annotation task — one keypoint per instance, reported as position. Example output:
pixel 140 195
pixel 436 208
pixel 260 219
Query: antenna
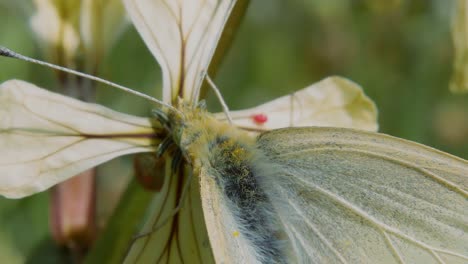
pixel 11 54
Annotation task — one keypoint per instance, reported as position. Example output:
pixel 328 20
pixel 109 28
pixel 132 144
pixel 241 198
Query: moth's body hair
pixel 231 158
pixel 238 178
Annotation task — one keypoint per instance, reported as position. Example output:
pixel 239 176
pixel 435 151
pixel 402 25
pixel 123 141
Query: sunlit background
pixel 399 51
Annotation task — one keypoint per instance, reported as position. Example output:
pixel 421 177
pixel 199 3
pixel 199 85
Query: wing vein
pixel 388 158
pixel 395 251
pixel 380 225
pixel 316 231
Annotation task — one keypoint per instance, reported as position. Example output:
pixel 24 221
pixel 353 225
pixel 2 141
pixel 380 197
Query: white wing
pixel 334 102
pixel 182 35
pixel 349 196
pixel 46 138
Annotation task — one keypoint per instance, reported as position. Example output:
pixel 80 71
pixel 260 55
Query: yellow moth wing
pixel 351 196
pixel 47 138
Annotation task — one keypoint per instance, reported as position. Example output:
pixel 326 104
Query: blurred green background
pixel 399 51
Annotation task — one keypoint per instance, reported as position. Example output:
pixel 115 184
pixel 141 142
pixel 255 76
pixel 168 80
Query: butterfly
pixel 290 195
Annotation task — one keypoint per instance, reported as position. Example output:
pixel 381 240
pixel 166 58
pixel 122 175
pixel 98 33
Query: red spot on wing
pixel 260 119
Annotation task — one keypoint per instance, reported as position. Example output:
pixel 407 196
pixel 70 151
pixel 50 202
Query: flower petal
pixel 55 30
pixel 46 138
pixel 334 102
pixel 182 35
pixel 101 23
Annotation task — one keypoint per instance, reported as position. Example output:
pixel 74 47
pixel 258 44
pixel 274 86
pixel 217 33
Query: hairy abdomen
pixel 232 164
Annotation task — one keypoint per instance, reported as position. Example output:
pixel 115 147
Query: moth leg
pixel 164 146
pixel 162 117
pixel 176 161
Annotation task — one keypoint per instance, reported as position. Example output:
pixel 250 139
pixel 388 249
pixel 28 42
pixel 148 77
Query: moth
pixel 288 195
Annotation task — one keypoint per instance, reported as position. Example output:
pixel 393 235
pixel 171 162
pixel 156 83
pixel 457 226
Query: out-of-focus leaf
pixel 47 138
pixel 113 243
pixel 459 82
pixel 8 254
pixel 451 123
pixel 334 102
pixel 18 242
pixel 46 251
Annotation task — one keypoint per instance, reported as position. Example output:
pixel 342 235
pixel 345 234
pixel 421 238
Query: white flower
pixel 68 28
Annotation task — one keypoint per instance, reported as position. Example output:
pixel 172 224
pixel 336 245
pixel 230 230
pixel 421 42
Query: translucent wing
pixel 347 196
pixel 334 102
pixel 46 138
pixel 182 35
